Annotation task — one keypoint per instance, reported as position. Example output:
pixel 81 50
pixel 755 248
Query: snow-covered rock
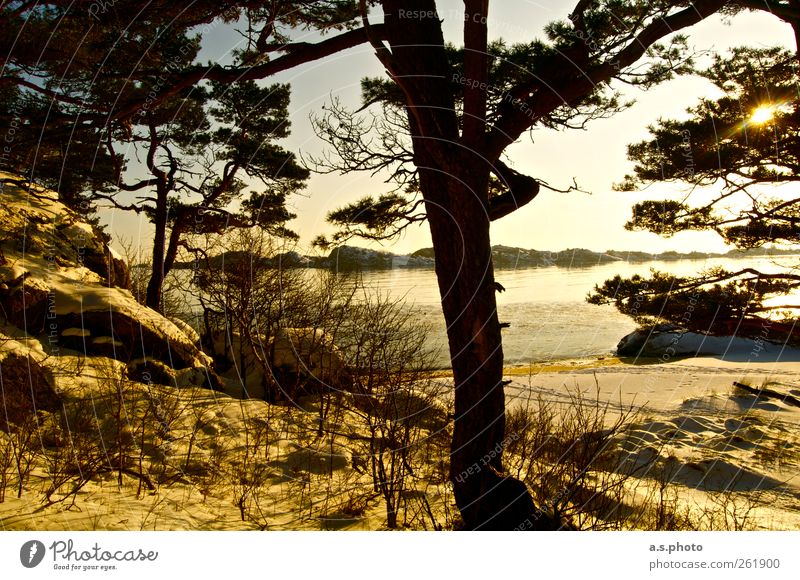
pixel 308 353
pixel 188 330
pixel 667 342
pixel 59 280
pixel 354 258
pixel 294 357
pixel 244 375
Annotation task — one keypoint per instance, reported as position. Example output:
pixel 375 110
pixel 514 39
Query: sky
pixel 595 158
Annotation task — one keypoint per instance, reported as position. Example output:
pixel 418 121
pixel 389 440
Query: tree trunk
pixel 157 275
pixel 459 223
pixel 454 181
pixel 175 235
pixel 164 255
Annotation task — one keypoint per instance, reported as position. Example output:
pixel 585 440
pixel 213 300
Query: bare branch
pixel 302 55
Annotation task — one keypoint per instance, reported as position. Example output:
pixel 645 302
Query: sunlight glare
pixel 763 114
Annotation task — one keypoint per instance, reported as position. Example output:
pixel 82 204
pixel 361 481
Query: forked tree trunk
pixel 454 180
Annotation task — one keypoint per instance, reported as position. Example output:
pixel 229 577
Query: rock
pixel 511 257
pixel 102 260
pixel 27 388
pixel 301 360
pixel 352 258
pixel 638 342
pixel 199 377
pixel 187 330
pixel 151 371
pixel 25 302
pixel 308 353
pixel 121 327
pixel 291 259
pixel 411 261
pixel 666 342
pixel 42 227
pixel 59 278
pixel 245 377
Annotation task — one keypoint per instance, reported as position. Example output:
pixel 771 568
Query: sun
pixel 763 114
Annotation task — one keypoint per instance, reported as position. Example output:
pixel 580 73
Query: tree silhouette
pixel 460 111
pixel 741 142
pixel 197 149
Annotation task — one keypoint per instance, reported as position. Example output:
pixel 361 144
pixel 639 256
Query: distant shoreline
pixel 351 258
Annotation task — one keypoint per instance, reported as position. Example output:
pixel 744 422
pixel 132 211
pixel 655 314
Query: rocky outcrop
pixel 74 308
pixel 153 371
pixel 27 388
pixel 351 258
pixel 666 342
pixel 245 377
pixel 36 225
pixel 60 281
pixel 308 353
pixel 23 299
pixel 298 361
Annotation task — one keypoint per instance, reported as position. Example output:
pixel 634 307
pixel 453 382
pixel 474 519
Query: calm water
pixel 547 307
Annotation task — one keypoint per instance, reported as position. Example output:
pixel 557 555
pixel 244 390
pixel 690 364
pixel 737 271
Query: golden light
pixel 763 114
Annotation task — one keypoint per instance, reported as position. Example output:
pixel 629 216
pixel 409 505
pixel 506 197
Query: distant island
pixel 505 257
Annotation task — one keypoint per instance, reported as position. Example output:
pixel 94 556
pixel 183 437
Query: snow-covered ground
pixel 708 436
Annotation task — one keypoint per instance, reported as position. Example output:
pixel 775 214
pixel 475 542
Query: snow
pixel 79 332
pixel 711 435
pixel 115 254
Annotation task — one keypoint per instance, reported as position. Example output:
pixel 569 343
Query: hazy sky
pixel 596 157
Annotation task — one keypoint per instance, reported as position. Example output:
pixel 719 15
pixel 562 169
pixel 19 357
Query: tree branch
pixel 567 89
pixel 301 55
pixel 522 189
pixel 11 79
pixel 785 12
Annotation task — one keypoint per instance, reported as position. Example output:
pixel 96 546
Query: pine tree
pixel 743 143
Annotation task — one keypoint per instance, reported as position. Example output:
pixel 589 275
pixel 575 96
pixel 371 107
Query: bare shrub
pixel 106 431
pixel 244 296
pixel 394 398
pixel 731 510
pixel 248 471
pixel 19 448
pixel 6 464
pixel 164 410
pixel 570 459
pixel 587 465
pixel 660 508
pixel 77 453
pixel 26 396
